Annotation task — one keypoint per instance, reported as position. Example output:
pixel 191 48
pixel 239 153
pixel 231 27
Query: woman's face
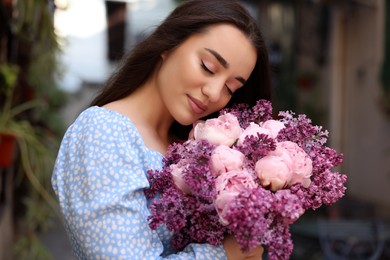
pixel 199 76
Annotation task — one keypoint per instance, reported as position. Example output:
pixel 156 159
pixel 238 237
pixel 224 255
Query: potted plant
pixel 11 128
pixel 29 105
pixel 8 76
pixel 22 141
pixel 19 132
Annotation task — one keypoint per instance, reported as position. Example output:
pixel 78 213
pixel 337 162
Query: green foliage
pixel 8 77
pixel 8 113
pixel 36 160
pixel 30 247
pixel 32 120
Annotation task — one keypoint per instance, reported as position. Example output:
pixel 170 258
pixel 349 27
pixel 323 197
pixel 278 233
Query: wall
pixel 359 129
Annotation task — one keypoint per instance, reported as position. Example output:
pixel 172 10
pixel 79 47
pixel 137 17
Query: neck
pixel 150 110
pixel 147 111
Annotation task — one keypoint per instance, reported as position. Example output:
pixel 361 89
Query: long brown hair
pixel 187 19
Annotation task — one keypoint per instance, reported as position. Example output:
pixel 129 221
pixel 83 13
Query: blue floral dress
pixel 99 178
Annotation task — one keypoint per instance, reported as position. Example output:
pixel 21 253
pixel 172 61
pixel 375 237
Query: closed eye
pixel 229 90
pixel 206 68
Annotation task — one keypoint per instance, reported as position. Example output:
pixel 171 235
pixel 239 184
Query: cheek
pixel 181 71
pixel 189 72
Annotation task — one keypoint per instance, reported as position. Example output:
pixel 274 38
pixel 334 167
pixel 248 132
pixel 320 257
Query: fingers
pixel 256 254
pixel 233 251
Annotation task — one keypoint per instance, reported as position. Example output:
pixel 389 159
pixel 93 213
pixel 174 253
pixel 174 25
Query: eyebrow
pixel 224 63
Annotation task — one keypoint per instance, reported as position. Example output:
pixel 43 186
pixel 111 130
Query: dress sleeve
pixel 99 179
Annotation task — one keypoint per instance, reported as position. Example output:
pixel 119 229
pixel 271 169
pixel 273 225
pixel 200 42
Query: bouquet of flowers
pixel 246 174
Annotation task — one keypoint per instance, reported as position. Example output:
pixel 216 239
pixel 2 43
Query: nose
pixel 213 90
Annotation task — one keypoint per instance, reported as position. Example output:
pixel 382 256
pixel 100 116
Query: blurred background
pixel 331 61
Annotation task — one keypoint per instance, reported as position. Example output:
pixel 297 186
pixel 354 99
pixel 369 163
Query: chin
pixel 186 120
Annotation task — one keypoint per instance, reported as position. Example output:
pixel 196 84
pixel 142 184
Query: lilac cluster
pixel 327 186
pixel 197 174
pixel 202 225
pixel 256 216
pixel 260 112
pixel 255 147
pixel 248 218
pixel 259 216
pixel 191 217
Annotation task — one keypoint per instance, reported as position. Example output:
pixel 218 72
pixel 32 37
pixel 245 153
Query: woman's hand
pixel 233 251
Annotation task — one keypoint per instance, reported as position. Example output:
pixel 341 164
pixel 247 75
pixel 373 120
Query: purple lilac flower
pixel 168 207
pixel 205 226
pixel 277 239
pixel 298 129
pixel 202 224
pixel 288 206
pixel 247 217
pixel 324 158
pixel 327 188
pixel 241 111
pixel 260 112
pixel 159 181
pixel 197 174
pixel 255 147
pixel 175 152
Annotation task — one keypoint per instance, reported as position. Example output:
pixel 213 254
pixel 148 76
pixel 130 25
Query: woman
pixel 205 55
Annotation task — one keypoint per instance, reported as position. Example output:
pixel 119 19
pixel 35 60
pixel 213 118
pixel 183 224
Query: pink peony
pixel 178 178
pixel 252 129
pixel 274 172
pixel 229 185
pixel 273 126
pixel 288 164
pixel 224 159
pixel 302 165
pixel 223 130
pixel 191 133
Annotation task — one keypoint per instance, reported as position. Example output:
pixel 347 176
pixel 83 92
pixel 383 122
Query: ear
pixel 164 55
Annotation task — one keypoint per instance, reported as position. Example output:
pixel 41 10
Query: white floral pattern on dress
pixel 99 177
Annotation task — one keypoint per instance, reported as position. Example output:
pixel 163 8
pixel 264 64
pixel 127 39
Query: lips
pixel 196 105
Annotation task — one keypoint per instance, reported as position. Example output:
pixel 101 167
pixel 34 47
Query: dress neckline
pixel 128 120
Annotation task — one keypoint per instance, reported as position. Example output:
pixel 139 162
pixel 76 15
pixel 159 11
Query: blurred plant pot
pixel 7 149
